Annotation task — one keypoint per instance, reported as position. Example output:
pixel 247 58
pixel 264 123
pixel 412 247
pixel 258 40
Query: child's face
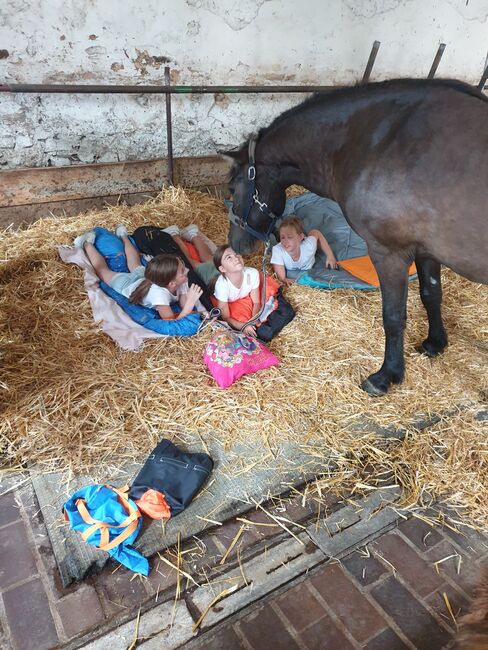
pixel 231 261
pixel 181 275
pixel 290 239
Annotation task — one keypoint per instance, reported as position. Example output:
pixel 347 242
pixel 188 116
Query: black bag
pixel 276 321
pixel 174 473
pixel 154 241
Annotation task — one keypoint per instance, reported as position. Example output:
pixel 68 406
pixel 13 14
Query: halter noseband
pixel 252 199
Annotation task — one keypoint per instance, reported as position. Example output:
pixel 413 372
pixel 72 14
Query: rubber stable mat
pixel 241 475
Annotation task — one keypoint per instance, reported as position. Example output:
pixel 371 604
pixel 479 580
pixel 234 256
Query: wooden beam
pixel 22 187
pixel 19 216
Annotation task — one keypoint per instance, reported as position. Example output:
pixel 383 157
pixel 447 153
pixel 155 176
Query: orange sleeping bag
pixel 362 268
pixel 241 309
pixel 192 252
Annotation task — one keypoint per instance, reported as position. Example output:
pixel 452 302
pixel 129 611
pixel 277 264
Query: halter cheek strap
pixel 253 199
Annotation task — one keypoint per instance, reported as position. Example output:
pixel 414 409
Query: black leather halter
pixel 252 199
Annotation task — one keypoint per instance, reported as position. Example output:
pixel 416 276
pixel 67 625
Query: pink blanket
pixel 115 322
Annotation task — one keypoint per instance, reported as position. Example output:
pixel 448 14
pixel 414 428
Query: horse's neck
pixel 309 159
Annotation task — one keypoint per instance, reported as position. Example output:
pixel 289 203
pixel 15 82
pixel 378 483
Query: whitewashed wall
pixel 208 42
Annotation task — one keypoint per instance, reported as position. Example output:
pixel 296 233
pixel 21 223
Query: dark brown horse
pixel 407 161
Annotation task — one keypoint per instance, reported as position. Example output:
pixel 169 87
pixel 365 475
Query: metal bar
pixel 483 79
pixel 371 60
pixel 169 126
pixel 157 90
pixel 436 61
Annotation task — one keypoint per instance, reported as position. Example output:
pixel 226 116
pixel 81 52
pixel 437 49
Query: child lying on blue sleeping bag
pixel 158 285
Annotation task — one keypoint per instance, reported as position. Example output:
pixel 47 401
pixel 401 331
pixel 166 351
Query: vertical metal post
pixel 371 60
pixel 483 79
pixel 169 126
pixel 436 61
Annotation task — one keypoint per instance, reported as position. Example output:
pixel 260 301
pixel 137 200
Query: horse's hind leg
pixel 429 272
pixel 392 271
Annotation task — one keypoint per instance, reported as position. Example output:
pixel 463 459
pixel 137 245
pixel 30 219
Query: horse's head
pixel 258 198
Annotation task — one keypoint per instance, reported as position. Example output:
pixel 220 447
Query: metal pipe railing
pixel 102 89
pixel 436 61
pixel 371 60
pixel 168 90
pixel 483 79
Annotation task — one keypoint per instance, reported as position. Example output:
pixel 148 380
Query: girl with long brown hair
pixel 238 294
pixel 158 285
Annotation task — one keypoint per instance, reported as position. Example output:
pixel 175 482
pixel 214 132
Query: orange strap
pixel 103 526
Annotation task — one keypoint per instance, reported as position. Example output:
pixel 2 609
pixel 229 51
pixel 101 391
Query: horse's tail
pixel 473 633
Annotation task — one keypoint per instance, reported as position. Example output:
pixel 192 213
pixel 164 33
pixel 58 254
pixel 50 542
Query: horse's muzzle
pixel 240 240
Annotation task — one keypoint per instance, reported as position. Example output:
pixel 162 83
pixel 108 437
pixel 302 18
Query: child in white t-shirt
pixel 158 285
pixel 235 282
pixel 296 252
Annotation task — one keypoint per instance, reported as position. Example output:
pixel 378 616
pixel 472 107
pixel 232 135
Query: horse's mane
pixel 421 85
pixel 414 87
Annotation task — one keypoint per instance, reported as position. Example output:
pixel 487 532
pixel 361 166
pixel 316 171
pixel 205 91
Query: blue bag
pixel 112 248
pixel 108 519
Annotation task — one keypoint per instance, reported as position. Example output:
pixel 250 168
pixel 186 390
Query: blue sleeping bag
pixel 112 249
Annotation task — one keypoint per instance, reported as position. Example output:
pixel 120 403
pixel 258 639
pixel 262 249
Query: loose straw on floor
pixel 70 398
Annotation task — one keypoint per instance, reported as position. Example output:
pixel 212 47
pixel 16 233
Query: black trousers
pixel 154 241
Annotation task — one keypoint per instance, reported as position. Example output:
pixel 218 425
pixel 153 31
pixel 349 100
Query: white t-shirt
pixel 227 292
pixel 308 248
pixel 156 295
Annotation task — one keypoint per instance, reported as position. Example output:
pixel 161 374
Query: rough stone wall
pixel 209 42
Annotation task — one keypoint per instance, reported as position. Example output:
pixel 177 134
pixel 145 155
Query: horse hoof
pixel 429 349
pixel 372 389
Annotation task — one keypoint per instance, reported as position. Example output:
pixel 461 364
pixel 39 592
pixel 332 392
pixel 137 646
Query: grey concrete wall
pixel 204 42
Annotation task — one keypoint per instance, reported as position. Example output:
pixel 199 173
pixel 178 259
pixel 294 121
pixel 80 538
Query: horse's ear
pixel 234 155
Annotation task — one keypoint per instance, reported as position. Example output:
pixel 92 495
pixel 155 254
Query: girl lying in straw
pixel 158 285
pixel 238 291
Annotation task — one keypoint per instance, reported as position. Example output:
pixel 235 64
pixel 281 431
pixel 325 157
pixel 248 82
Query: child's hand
pixel 331 262
pixel 250 330
pixel 288 282
pixel 194 293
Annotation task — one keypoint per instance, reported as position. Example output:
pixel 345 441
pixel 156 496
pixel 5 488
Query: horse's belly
pixel 449 223
pixel 475 270
pixel 461 243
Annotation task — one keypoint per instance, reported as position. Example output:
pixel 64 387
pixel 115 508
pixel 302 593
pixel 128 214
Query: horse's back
pixel 422 180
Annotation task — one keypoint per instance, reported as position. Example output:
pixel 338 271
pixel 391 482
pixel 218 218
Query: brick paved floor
pixel 390 594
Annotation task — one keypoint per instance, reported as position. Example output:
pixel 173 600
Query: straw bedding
pixel 70 399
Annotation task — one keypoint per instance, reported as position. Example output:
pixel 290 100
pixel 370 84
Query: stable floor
pixel 394 583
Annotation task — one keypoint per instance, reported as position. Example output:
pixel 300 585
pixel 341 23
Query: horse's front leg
pixel 429 272
pixel 392 272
